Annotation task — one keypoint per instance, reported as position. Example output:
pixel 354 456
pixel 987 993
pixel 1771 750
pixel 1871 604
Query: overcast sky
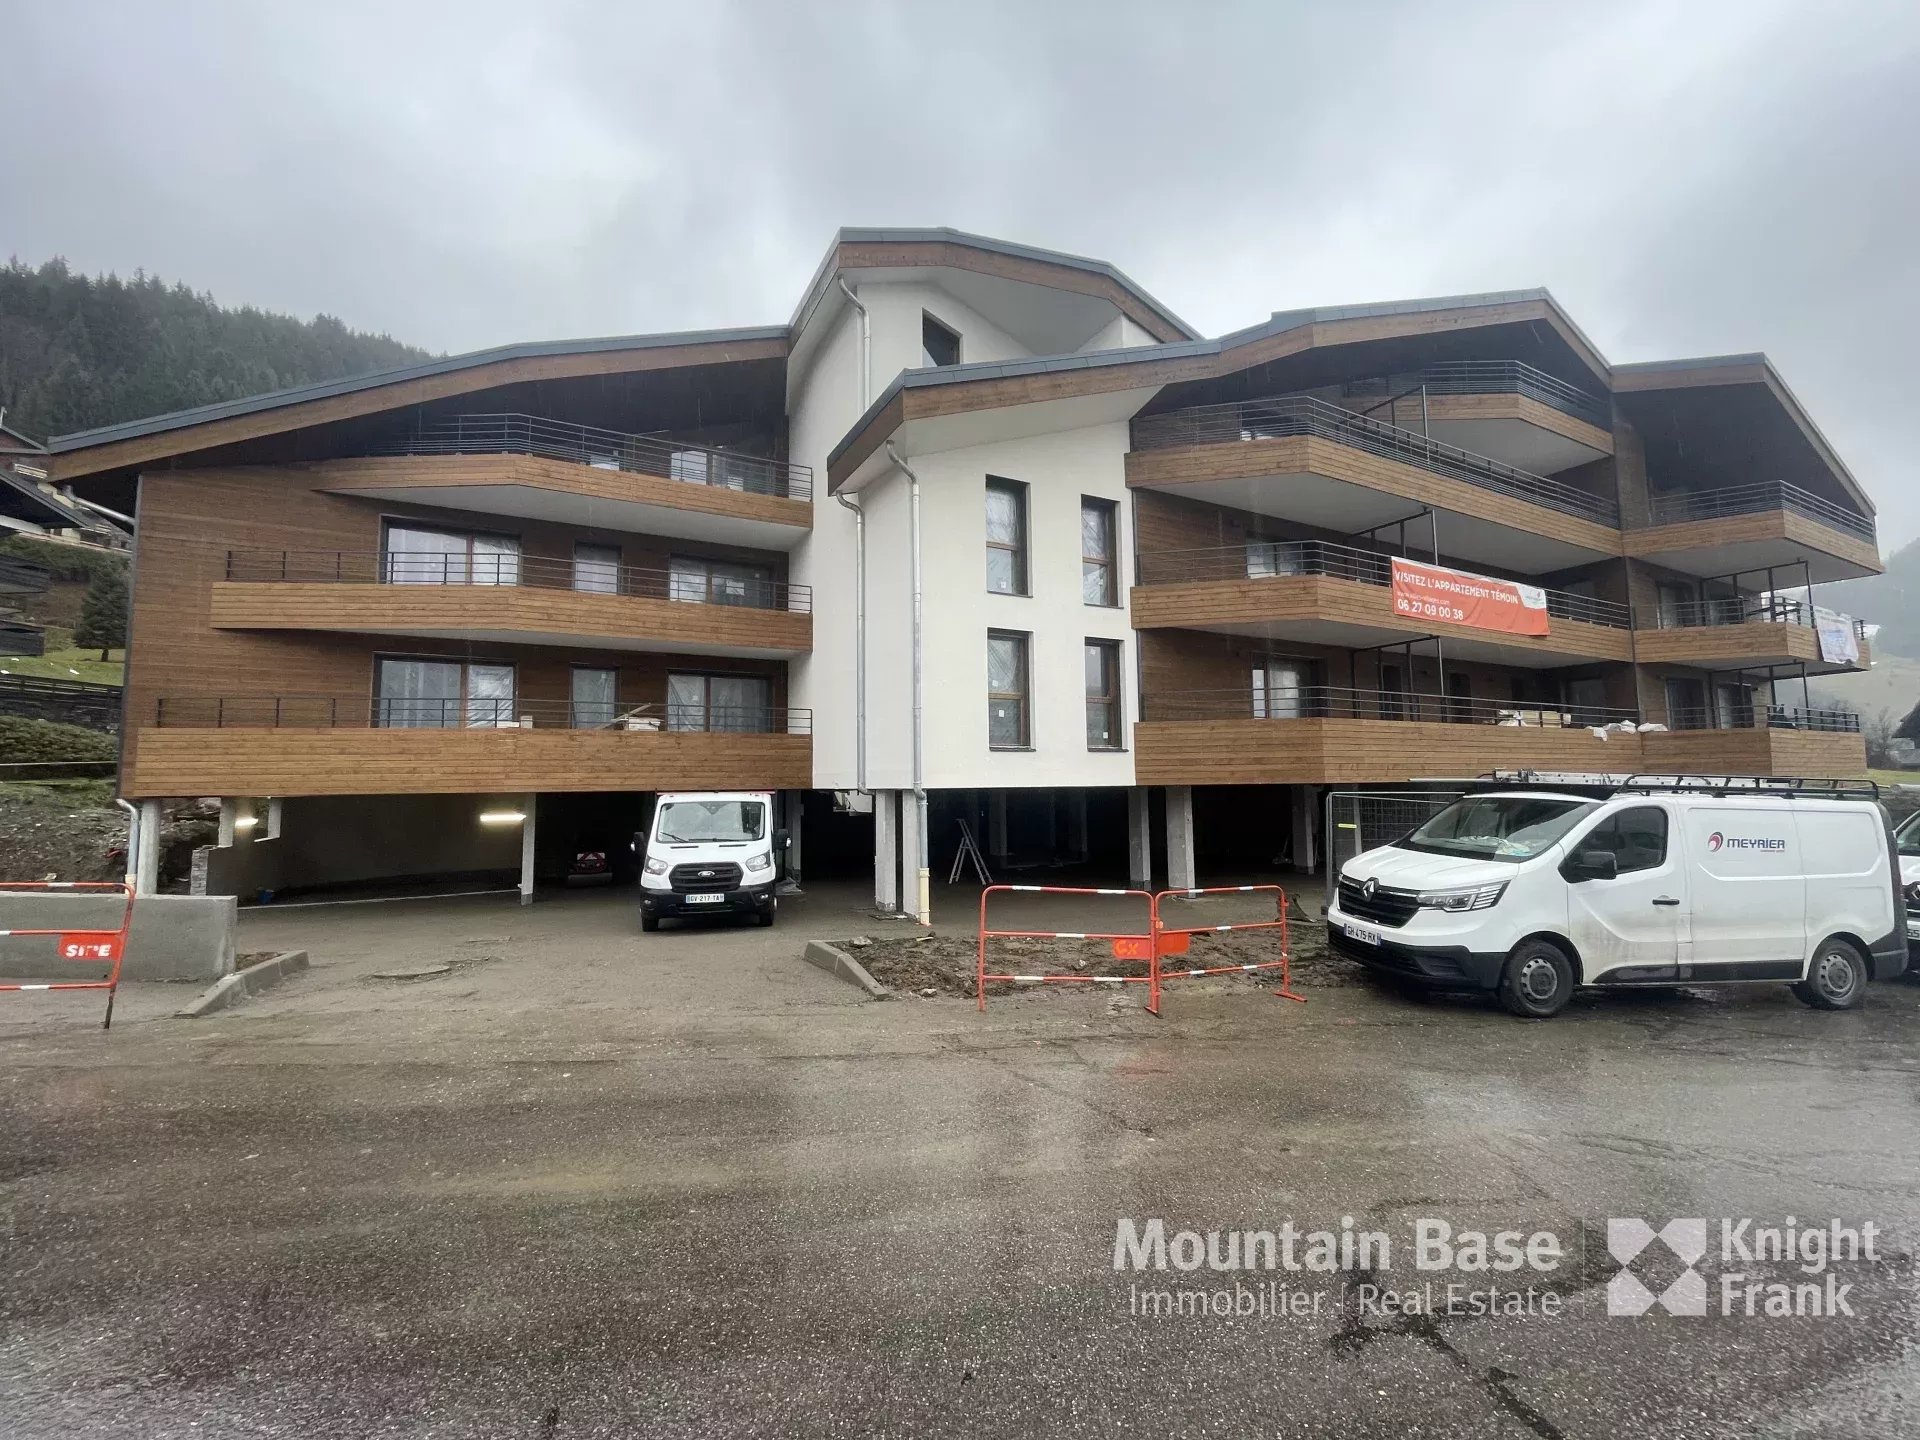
pixel 1693 178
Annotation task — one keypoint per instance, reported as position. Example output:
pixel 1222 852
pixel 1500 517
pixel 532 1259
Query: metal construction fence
pixel 1359 820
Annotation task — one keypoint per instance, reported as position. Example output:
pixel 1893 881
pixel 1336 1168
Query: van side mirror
pixel 1585 865
pixel 781 839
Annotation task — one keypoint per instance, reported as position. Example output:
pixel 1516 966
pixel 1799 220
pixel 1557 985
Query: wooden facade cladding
pixel 1756 643
pixel 1347 751
pixel 427 473
pixel 1522 408
pixel 1235 605
pixel 528 614
pixel 1313 455
pixel 299 761
pixel 1767 526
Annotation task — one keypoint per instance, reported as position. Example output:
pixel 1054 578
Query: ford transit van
pixel 710 853
pixel 1532 892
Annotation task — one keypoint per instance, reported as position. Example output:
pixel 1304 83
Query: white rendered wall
pixel 896 311
pixel 1119 333
pixel 1057 469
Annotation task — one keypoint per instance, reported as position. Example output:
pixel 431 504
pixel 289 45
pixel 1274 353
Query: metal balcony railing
pixel 1304 415
pixel 1270 559
pixel 495 568
pixel 472 713
pixel 605 450
pixel 1677 506
pixel 1319 702
pixel 1510 377
pixel 1764 717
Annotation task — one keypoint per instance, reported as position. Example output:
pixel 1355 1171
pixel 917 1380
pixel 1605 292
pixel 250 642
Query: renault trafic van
pixel 710 853
pixel 1532 892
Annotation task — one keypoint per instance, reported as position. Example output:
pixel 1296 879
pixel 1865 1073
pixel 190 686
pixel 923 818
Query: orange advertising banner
pixel 1455 597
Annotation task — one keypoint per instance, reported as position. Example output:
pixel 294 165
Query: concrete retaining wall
pixel 174 937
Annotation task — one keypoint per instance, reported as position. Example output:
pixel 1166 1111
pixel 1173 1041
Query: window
pixel 1459 696
pixel 442 694
pixel 741 704
pixel 594 704
pixel 1676 605
pixel 1103 695
pixel 1636 838
pixel 597 568
pixel 719 582
pixel 414 555
pixel 1007 720
pixel 1006 537
pixel 1687 705
pixel 1280 690
pixel 938 344
pixel 1393 693
pixel 1099 579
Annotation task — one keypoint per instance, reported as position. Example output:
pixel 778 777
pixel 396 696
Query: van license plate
pixel 1365 934
pixel 711 897
pixel 1913 929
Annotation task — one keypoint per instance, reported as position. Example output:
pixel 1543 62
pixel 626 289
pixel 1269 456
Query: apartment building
pixel 983 534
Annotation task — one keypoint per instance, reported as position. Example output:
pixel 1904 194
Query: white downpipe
pixel 859 564
pixel 133 841
pixel 923 908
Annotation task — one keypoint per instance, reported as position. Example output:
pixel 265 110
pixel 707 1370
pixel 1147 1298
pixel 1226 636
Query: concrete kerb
pixel 232 989
pixel 836 962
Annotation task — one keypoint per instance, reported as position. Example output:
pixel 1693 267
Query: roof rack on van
pixel 1788 785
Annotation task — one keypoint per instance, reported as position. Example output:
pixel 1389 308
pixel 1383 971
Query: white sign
pixel 1839 645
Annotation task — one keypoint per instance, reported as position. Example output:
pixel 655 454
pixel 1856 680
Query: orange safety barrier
pixel 1173 940
pixel 86 946
pixel 1127 945
pixel 1150 946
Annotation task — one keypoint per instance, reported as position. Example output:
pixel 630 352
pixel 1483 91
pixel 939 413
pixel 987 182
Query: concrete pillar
pixel 914 879
pixel 1139 839
pixel 275 818
pixel 796 812
pixel 997 824
pixel 1180 871
pixel 527 808
pixel 229 816
pixel 145 861
pixel 1077 824
pixel 1306 799
pixel 886 850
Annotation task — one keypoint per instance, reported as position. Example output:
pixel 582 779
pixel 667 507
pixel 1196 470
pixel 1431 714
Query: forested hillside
pixel 78 351
pixel 1891 601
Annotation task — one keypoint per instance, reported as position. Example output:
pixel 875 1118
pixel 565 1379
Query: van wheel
pixel 1837 979
pixel 763 920
pixel 649 923
pixel 1538 980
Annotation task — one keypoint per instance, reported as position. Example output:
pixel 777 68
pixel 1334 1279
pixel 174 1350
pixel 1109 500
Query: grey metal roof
pixel 327 389
pixel 13 442
pixel 46 509
pixel 1700 362
pixel 946 235
pixel 1008 369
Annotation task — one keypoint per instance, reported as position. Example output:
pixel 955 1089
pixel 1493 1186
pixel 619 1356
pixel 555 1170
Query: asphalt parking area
pixel 580 1188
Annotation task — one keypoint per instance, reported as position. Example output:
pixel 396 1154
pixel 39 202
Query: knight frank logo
pixel 1654 1254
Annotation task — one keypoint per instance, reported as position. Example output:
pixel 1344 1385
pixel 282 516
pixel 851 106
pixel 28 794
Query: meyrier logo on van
pixel 1720 840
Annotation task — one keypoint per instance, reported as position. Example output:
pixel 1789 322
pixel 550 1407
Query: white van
pixel 1532 892
pixel 710 852
pixel 1907 837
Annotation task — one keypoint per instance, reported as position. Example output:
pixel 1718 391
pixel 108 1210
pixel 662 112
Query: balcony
pixel 1311 461
pixel 1329 735
pixel 537 469
pixel 1758 740
pixel 1753 528
pixel 1748 633
pixel 511 598
pixel 351 745
pixel 1326 735
pixel 1328 594
pixel 1502 409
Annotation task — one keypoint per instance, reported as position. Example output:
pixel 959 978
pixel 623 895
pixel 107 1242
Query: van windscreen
pixel 1497 827
pixel 691 822
pixel 1909 835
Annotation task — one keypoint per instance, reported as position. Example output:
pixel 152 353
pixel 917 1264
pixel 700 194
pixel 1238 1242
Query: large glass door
pixel 415 555
pixel 738 703
pixel 1279 690
pixel 490 699
pixel 417 694
pixel 594 704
